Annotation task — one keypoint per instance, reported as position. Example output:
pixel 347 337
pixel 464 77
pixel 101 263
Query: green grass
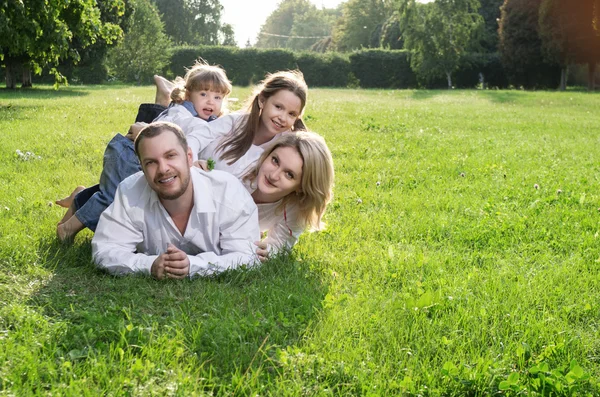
pixel 461 258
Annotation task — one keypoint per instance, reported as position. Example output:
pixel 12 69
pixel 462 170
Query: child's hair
pixel 237 144
pixel 316 185
pixel 202 77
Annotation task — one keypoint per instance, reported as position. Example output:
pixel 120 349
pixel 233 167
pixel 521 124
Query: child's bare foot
pixel 67 231
pixel 66 202
pixel 163 90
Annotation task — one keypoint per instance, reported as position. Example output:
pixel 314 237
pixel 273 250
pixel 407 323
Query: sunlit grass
pixel 461 257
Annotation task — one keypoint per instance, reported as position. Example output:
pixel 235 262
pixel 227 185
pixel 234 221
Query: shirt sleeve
pixel 199 132
pixel 115 242
pixel 238 232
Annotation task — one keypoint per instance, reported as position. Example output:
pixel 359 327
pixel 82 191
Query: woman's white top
pixel 223 128
pixel 281 225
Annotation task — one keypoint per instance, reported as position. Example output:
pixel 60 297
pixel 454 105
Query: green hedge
pixel 375 68
pixel 369 68
pixel 250 65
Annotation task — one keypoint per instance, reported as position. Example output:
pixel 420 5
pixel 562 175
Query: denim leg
pixel 83 196
pixel 120 162
pixel 147 112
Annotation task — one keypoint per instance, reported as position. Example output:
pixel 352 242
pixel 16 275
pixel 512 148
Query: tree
pixel 359 21
pixel 227 36
pixel 438 35
pixel 310 27
pixel 521 46
pixel 38 33
pixel 194 21
pixel 278 26
pixel 490 11
pixel 144 50
pixel 571 34
pixel 391 37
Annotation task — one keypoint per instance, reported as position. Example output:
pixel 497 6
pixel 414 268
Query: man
pixel 172 221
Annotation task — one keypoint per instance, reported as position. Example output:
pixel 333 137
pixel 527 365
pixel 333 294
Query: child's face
pixel 280 111
pixel 206 102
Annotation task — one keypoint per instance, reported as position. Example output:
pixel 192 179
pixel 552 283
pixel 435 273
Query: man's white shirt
pixel 135 229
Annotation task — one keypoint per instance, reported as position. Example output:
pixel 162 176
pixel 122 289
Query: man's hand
pixel 135 129
pixel 177 263
pixel 172 264
pixel 261 250
pixel 158 267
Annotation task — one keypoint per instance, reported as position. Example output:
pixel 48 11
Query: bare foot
pixel 66 202
pixel 67 231
pixel 163 90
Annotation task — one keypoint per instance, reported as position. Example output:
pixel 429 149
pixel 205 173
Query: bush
pixel 375 68
pixel 250 65
pixel 324 70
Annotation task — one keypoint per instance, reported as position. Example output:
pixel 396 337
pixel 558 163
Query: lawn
pixel 461 258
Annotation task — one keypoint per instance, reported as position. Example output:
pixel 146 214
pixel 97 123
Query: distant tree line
pixel 520 43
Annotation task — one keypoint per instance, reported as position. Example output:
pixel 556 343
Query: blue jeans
pixel 119 162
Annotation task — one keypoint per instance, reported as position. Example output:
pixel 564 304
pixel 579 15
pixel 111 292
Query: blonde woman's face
pixel 280 111
pixel 280 174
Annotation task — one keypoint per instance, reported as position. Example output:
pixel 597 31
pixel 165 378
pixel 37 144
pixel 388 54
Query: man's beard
pixel 185 181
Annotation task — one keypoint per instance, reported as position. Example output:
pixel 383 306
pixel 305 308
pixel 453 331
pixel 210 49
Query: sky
pixel 247 16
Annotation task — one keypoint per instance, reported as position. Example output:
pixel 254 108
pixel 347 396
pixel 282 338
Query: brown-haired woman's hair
pixel 236 144
pixel 316 185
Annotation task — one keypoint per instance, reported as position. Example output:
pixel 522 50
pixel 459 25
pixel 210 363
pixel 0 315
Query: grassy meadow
pixel 461 257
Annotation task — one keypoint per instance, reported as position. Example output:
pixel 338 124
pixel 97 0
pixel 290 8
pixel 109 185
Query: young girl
pixel 196 99
pixel 235 142
pixel 291 185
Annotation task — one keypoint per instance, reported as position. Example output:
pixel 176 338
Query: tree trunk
pixel 591 76
pixel 11 78
pixel 564 72
pixel 26 81
pixel 449 77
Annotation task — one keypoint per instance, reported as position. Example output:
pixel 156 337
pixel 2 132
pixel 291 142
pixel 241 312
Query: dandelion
pixel 358 201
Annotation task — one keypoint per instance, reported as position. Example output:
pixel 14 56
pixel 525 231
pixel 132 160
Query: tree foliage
pixel 361 23
pixel 438 35
pixel 296 24
pixel 570 33
pixel 521 46
pixel 38 33
pixel 144 50
pixel 194 22
pixel 490 11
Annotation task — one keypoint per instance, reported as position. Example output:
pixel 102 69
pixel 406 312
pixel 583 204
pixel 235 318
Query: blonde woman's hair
pixel 316 185
pixel 202 77
pixel 237 143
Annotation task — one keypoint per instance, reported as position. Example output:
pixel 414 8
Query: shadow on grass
pixel 427 94
pixel 223 320
pixel 504 96
pixel 42 92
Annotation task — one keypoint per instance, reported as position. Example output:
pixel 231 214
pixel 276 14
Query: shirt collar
pixel 190 107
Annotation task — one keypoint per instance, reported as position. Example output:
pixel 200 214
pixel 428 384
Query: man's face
pixel 166 165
